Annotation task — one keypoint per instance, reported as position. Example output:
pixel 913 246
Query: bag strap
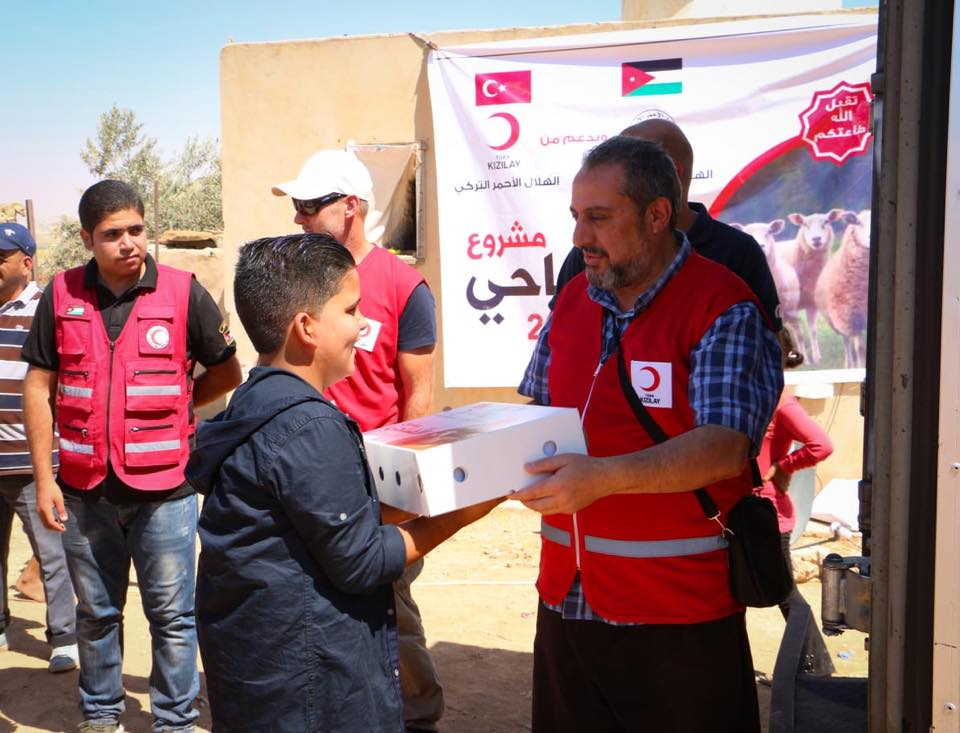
pixel 707 504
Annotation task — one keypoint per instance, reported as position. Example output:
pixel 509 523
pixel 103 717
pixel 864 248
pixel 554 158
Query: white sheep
pixel 784 276
pixel 842 289
pixel 807 253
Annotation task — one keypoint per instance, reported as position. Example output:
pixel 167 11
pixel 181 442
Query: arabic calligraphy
pixel 848 101
pixel 488 185
pixel 570 139
pixel 496 245
pixel 842 132
pixel 836 124
pixel 528 287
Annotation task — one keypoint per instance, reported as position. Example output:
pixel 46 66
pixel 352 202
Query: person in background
pixel 19 297
pixel 778 461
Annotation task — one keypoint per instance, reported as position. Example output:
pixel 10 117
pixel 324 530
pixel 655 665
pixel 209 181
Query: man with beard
pixel 637 628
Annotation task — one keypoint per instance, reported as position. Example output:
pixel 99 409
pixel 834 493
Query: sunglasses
pixel 309 207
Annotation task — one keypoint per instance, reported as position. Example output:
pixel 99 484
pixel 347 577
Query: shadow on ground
pixel 495 681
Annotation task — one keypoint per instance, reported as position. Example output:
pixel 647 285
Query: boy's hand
pixel 470 514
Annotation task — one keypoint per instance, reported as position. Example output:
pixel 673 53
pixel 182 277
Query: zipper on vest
pixel 77 373
pixel 583 417
pixel 139 428
pixel 109 391
pixel 77 428
pixel 137 372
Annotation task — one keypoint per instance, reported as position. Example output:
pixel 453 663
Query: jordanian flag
pixel 650 78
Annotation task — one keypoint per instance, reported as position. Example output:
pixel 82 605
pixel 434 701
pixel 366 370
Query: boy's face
pixel 119 245
pixel 340 326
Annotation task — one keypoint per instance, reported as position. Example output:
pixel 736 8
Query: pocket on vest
pixel 73 325
pixel 153 386
pixel 155 329
pixel 75 387
pixel 151 443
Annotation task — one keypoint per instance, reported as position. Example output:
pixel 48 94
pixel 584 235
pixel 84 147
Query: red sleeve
pixel 799 426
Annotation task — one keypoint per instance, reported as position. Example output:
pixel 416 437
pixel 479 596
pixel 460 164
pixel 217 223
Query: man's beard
pixel 617 276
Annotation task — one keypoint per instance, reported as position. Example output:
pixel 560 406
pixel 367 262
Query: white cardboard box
pixel 466 455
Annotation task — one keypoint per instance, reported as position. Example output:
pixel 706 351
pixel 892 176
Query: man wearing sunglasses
pixel 393 380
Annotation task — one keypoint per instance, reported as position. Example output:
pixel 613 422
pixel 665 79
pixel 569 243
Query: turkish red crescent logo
pixel 514 130
pixel 655 377
pixel 158 337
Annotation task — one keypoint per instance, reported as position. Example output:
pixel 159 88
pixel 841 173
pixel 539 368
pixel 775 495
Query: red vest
pixel 128 404
pixel 373 394
pixel 643 558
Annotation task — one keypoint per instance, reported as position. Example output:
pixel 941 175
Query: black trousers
pixel 592 677
pixel 816 657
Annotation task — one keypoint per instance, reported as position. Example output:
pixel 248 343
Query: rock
pixel 189 239
pixel 807 563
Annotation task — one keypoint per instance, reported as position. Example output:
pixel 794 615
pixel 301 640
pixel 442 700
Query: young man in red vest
pixel 637 628
pixel 393 380
pixel 113 345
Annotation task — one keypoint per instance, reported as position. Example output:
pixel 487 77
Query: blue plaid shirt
pixel 736 376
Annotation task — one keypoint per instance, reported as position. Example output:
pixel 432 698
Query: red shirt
pixel 790 424
pixel 373 394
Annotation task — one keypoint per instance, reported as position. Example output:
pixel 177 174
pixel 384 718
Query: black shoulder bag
pixel 759 574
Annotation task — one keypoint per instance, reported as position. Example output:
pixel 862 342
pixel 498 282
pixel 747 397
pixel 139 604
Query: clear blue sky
pixel 66 62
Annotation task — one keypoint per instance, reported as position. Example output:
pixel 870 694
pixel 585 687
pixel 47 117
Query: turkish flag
pixel 505 87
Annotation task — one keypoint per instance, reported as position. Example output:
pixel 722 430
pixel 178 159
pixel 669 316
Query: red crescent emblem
pixel 514 130
pixel 656 379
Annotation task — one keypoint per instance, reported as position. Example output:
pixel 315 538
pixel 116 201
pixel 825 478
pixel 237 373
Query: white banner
pixel 777 112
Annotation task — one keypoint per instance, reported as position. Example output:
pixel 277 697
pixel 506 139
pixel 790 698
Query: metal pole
pixel 32 228
pixel 31 223
pixel 156 220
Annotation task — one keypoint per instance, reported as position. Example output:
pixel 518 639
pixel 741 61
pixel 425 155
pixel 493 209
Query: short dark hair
pixel 105 198
pixel 648 171
pixel 277 277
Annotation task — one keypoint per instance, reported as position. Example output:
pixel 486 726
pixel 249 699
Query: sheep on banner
pixel 777 110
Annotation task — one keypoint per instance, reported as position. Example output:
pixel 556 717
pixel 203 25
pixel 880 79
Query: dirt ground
pixel 478 604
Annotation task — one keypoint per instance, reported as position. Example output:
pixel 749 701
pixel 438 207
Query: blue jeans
pixel 160 537
pixel 18 495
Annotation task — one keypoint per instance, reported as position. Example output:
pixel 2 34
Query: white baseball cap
pixel 326 172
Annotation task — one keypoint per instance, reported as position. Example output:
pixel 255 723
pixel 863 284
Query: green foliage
pixel 121 151
pixel 67 252
pixel 190 188
pixel 189 183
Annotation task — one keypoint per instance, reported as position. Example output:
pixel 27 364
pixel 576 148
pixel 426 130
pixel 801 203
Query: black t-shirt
pixel 732 248
pixel 207 342
pixel 417 326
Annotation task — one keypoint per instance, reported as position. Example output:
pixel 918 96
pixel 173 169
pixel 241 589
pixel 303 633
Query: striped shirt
pixel 16 315
pixel 735 379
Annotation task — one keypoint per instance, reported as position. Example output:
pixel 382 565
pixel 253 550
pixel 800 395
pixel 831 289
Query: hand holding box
pixel 466 455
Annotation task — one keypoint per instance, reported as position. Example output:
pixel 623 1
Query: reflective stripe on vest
pixel 70 391
pixel 69 445
pixel 639 548
pixel 554 534
pixel 151 447
pixel 158 390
